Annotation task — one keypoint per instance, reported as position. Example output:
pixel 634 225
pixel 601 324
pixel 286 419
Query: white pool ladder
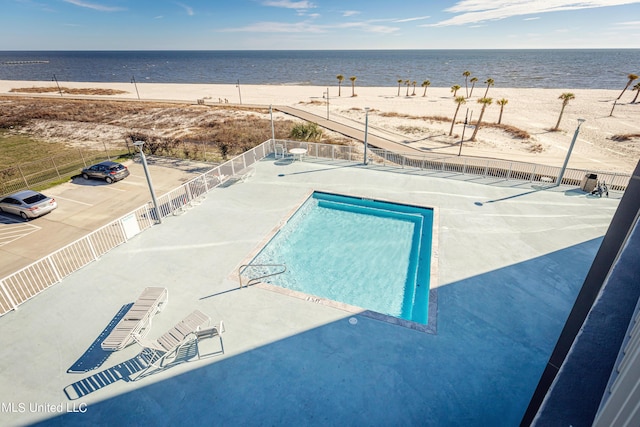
pixel 254 280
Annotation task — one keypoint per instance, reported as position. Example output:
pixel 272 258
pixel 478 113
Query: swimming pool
pixel 366 253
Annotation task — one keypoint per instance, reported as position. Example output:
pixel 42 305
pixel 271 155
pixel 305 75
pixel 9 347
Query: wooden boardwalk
pixel 350 131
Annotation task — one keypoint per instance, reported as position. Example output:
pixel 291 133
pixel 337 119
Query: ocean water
pixel 561 68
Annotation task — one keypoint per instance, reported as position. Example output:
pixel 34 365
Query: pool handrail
pixel 254 280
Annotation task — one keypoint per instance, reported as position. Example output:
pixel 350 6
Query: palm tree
pixel 631 78
pixel 407 83
pixel 489 83
pixel 459 100
pixel 353 85
pixel 425 85
pixel 340 78
pixel 455 89
pixel 566 97
pixel 501 102
pixel 414 83
pixel 399 84
pixel 484 102
pixel 466 75
pixel 473 84
pixel 637 89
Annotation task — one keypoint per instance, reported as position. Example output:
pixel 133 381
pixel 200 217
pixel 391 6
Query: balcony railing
pixel 29 281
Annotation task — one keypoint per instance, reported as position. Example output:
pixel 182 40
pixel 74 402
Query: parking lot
pixel 84 206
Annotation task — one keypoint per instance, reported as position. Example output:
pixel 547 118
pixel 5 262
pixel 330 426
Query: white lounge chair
pixel 210 332
pixel 159 353
pixel 137 320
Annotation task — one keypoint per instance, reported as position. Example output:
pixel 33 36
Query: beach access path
pixel 349 131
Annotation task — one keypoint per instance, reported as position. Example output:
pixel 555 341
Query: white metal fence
pixel 53 168
pixel 24 284
pixel 485 167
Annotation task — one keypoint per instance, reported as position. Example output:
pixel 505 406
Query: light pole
pixel 466 116
pixel 366 131
pixel 57 84
pixel 566 160
pixel 239 93
pixel 273 133
pixel 133 80
pixel 327 96
pixel 139 144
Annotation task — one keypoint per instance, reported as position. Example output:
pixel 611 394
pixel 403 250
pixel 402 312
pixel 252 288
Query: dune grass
pixel 625 137
pixel 69 91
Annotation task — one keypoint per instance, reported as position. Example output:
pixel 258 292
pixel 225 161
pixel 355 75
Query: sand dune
pixel 425 121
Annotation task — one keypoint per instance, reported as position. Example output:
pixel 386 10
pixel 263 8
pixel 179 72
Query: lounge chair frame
pixel 137 320
pixel 160 353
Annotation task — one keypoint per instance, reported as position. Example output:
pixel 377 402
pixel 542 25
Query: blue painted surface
pixel 289 361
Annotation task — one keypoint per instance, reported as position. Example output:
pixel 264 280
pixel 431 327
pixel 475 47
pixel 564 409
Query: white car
pixel 28 204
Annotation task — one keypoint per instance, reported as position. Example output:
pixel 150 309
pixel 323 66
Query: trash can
pixel 589 182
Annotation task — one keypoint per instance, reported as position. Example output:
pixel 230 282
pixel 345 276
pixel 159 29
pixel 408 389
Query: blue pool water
pixel 367 253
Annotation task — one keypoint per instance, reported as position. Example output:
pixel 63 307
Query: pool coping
pixel 432 315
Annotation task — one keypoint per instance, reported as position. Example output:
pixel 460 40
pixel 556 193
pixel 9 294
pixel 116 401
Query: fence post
pixel 93 251
pixel 124 233
pixel 533 174
pixel 84 162
pixel 105 150
pixel 55 270
pixel 148 215
pixel 189 194
pixel 22 175
pixel 53 160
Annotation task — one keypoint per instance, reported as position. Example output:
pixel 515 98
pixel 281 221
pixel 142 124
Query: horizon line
pixel 317 50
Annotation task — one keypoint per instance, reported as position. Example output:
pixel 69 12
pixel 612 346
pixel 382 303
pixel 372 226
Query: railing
pixel 29 281
pixel 53 168
pixel 478 166
pixel 254 280
pixel 24 284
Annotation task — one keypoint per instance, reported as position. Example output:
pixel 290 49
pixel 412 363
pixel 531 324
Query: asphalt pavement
pixel 83 207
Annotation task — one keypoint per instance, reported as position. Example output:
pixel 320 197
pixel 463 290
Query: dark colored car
pixel 109 171
pixel 28 204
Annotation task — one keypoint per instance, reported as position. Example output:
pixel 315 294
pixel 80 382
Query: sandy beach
pixel 425 121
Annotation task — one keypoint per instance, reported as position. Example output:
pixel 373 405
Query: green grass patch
pixel 31 163
pixel 17 149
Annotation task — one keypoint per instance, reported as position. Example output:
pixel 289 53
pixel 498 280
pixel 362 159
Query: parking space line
pixel 134 182
pixel 14 230
pixel 72 200
pixel 112 188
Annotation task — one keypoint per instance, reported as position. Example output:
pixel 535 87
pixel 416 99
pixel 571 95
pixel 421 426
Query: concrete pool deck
pixel 512 257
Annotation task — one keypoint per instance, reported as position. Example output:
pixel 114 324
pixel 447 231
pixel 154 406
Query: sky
pixel 317 24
